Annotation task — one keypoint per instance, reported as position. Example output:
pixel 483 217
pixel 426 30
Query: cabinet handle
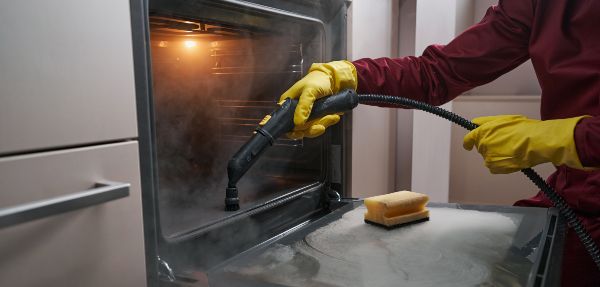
pixel 100 193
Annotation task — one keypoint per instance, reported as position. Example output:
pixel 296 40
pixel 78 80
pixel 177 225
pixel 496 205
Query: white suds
pixel 455 248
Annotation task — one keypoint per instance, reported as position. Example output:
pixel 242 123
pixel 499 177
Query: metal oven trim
pixel 186 235
pixel 143 77
pixel 140 10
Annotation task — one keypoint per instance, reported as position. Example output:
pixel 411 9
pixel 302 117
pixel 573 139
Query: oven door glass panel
pixel 214 79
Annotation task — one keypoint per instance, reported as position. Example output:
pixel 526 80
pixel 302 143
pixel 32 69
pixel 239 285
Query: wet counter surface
pixel 459 246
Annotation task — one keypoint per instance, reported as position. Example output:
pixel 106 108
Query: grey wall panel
pixel 373 149
pixel 101 245
pixel 66 73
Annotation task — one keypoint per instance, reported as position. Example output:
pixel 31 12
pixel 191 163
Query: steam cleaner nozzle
pixel 232 201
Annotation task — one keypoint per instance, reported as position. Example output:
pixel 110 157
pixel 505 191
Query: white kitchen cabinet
pixel 67 123
pixel 99 245
pixel 66 74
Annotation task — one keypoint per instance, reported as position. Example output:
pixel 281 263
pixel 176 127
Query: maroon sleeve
pixel 587 141
pixel 496 45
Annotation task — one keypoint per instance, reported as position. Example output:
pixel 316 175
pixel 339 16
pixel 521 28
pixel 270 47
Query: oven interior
pixel 213 81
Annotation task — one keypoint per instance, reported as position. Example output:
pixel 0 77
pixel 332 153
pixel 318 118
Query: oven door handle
pixel 100 193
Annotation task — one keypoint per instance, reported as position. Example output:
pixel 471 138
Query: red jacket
pixel 562 38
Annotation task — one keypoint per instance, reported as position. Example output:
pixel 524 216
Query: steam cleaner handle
pixel 282 119
pixel 343 101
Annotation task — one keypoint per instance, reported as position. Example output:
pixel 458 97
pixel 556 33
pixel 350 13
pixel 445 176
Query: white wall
pixel 464 14
pixel 516 92
pixel 406 22
pixel 435 23
pixel 373 129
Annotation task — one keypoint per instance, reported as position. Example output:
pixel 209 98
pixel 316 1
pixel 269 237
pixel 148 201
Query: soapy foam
pixel 454 248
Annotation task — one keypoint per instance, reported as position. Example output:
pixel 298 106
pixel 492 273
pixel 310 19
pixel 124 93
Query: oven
pixel 207 71
pixel 214 70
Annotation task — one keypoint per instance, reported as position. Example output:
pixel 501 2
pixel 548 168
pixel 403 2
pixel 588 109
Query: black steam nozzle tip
pixel 232 207
pixel 232 201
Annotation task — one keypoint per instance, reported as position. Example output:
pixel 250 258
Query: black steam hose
pixel 548 191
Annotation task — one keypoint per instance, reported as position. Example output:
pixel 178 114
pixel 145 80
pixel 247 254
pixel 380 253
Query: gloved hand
pixel 509 143
pixel 322 80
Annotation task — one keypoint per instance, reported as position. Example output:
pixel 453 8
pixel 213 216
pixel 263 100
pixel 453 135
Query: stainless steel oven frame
pixel 204 249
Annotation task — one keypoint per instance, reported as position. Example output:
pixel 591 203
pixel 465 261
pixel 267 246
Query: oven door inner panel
pixel 214 80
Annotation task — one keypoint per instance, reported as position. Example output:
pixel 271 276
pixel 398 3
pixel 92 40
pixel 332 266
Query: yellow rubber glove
pixel 314 128
pixel 309 129
pixel 509 143
pixel 322 80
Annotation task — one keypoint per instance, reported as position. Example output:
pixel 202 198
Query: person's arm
pixel 494 46
pixel 587 141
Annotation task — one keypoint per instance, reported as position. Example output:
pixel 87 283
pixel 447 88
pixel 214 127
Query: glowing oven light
pixel 190 44
pixel 163 44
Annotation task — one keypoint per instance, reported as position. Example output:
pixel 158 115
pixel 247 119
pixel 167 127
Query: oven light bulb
pixel 190 44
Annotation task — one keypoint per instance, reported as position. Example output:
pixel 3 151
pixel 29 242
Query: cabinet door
pixel 99 245
pixel 66 73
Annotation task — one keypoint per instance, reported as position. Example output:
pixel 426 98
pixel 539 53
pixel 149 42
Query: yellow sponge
pixel 396 209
